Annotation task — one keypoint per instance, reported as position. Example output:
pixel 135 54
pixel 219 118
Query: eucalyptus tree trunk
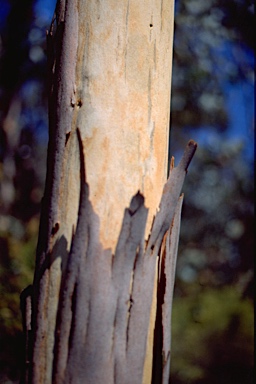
pixel 100 308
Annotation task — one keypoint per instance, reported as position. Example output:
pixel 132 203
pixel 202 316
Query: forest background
pixel 213 103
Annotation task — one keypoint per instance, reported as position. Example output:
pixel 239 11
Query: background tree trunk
pixel 101 275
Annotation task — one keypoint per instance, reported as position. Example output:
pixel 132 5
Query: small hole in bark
pixel 55 228
pixel 67 137
pixel 79 103
pixel 151 25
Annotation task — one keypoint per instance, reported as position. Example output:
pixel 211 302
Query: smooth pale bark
pixel 96 290
pixel 117 90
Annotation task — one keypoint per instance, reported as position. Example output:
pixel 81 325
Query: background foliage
pixel 212 331
pixel 213 102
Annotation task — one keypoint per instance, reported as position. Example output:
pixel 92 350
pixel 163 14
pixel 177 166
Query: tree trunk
pixel 102 291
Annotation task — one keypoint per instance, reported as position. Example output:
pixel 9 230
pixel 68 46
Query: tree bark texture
pixel 101 297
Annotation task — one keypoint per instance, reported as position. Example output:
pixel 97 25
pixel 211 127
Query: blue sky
pixel 239 97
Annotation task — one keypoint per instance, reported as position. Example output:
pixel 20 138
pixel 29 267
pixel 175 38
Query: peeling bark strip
pixel 99 288
pixel 105 300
